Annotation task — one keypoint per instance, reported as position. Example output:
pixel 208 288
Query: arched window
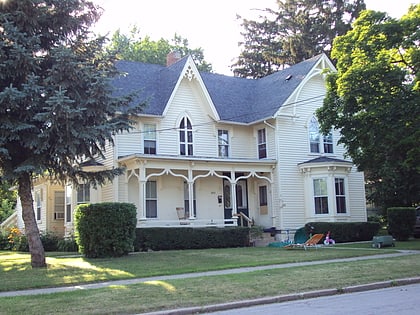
pixel 185 137
pixel 317 140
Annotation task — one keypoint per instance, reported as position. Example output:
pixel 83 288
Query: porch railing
pixel 10 222
pixel 187 223
pixel 243 217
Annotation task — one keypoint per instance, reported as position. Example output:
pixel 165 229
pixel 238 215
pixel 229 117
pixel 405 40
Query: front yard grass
pixel 157 295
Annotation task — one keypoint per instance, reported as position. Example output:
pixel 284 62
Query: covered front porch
pixel 188 191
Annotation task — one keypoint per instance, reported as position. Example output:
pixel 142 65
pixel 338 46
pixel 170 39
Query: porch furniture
pixel 182 216
pixel 311 242
pixel 180 211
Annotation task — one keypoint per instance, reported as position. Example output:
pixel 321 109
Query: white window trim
pixel 146 198
pixel 144 138
pixel 328 195
pixel 186 143
pixel 38 197
pixel 228 143
pixel 321 142
pixel 347 196
pixel 262 143
pixel 332 206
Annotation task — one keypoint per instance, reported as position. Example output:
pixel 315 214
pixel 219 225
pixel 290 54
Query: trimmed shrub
pixel 401 221
pixel 190 238
pixel 105 229
pixel 343 232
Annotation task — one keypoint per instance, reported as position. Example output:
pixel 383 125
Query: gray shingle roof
pixel 235 99
pixel 325 159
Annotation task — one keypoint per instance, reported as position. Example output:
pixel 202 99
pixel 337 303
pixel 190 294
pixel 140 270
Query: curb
pixel 287 297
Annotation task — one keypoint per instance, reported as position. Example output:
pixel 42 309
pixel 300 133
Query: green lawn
pixel 16 274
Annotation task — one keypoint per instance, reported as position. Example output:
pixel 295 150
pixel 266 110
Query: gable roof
pixel 236 99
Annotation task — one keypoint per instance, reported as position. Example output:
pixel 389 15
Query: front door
pixel 241 200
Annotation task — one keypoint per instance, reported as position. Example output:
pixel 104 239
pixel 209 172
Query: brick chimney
pixel 172 57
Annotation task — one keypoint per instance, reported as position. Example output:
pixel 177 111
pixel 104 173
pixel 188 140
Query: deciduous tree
pixel 135 48
pixel 373 100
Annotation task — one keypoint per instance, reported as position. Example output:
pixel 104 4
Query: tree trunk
pixel 31 228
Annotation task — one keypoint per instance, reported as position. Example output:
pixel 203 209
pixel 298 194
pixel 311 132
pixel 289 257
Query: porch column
pixel 191 194
pixel 191 199
pixel 142 199
pixel 233 194
pixel 142 192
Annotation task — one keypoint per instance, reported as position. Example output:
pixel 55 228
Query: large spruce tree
pixel 297 30
pixel 56 107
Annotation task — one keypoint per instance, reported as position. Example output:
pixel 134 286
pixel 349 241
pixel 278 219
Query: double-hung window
pixel 320 195
pixel 223 143
pixel 317 140
pixel 263 195
pixel 68 204
pixel 38 201
pixel 151 199
pixel 340 195
pixel 83 194
pixel 328 143
pixel 314 140
pixel 185 137
pixel 149 136
pixel 59 204
pixel 262 144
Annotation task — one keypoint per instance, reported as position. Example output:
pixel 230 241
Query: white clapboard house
pixel 216 150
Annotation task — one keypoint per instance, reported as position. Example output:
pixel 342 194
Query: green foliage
pixel 190 238
pixel 13 239
pixel 134 48
pixel 401 222
pixel 50 241
pixel 105 229
pixel 373 101
pixel 8 198
pixel 343 232
pixel 6 209
pixel 4 242
pixel 297 30
pixel 67 245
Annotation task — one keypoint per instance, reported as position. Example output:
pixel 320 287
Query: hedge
pixel 190 238
pixel 343 232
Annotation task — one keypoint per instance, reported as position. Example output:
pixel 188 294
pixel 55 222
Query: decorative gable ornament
pixel 189 73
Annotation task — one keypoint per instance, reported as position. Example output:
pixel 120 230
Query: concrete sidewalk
pixel 195 274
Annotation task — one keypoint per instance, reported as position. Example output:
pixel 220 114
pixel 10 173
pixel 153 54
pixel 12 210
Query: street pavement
pixel 401 300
